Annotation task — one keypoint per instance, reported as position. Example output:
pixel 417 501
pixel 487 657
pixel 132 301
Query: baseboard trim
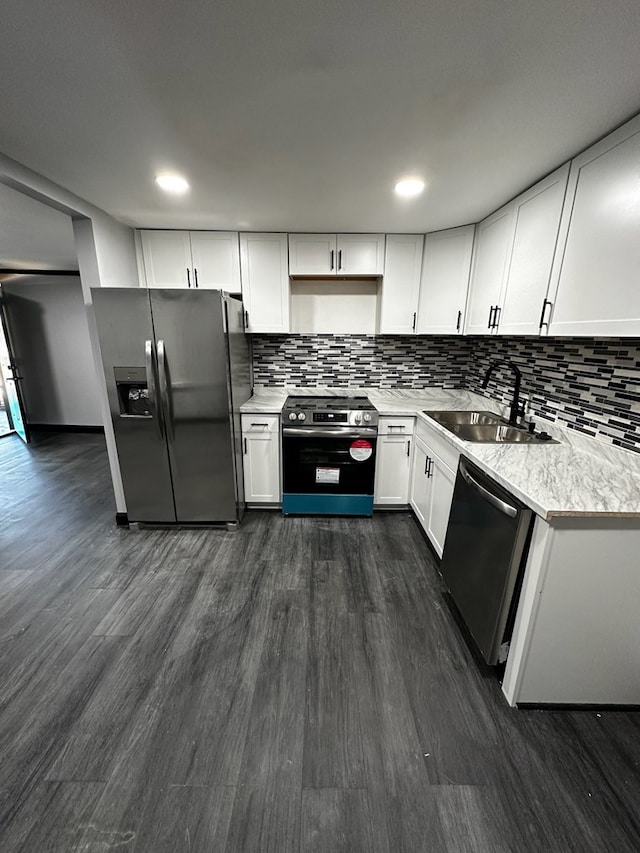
pixel 575 706
pixel 65 428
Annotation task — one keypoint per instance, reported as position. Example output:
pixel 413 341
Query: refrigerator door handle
pixel 151 386
pixel 165 394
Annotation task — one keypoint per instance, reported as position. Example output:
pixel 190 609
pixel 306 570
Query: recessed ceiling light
pixel 409 187
pixel 172 183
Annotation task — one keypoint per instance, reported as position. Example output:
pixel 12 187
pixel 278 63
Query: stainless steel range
pixel 328 455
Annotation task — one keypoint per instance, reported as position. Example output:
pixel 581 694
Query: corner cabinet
pixel 522 307
pixel 401 284
pixel 444 281
pixel 261 459
pixel 493 236
pixel 513 259
pixel 433 475
pixel 198 259
pixel 336 254
pixel 393 462
pixel 265 282
pixel 594 284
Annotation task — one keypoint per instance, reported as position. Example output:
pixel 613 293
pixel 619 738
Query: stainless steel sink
pixel 449 418
pixel 485 427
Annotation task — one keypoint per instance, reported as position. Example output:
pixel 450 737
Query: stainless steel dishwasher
pixel 483 559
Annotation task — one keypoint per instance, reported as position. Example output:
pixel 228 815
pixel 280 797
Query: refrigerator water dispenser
pixel 133 393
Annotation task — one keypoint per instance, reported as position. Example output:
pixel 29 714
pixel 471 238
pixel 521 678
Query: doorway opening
pixel 6 419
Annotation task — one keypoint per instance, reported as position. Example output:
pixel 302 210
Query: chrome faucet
pixel 516 410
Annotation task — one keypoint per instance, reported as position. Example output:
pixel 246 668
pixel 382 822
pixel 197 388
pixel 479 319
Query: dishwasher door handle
pixel 500 505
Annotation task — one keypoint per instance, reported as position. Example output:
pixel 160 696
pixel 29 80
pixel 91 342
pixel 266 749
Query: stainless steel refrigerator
pixel 177 368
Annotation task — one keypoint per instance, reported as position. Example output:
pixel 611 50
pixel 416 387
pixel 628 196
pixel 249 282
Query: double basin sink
pixel 487 428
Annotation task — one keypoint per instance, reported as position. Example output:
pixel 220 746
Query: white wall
pixel 106 256
pixel 50 335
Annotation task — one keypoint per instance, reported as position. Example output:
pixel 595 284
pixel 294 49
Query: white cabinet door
pixel 401 284
pixel 360 254
pixel 393 462
pixel 420 484
pixel 261 445
pixel 312 254
pixel 167 258
pixel 595 277
pixel 265 281
pixel 216 260
pixel 537 222
pixel 445 280
pixel 331 254
pixel 493 237
pixel 442 481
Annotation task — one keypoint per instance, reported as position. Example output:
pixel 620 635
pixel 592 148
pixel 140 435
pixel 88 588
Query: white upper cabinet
pixel 595 280
pixel 166 257
pixel 522 306
pixel 199 259
pixel 512 261
pixel 265 282
pixel 493 238
pixel 445 279
pixel 401 284
pixel 312 254
pixel 360 254
pixel 336 254
pixel 216 260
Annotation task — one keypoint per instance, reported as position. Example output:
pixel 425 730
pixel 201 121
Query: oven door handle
pixel 330 432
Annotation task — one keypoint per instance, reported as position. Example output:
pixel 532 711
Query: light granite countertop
pixel 580 477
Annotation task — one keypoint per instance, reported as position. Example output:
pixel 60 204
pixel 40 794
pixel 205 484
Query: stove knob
pixel 357 418
pixel 302 416
pixel 292 416
pixel 367 417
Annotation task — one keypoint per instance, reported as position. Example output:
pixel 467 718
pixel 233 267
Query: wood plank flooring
pixel 297 685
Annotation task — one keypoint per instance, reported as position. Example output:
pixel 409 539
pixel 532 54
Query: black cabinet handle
pixel 331 262
pixel 195 275
pixel 430 467
pixel 340 259
pixel 490 323
pixel 408 448
pixel 458 321
pixel 426 465
pixel 188 278
pixel 496 316
pixel 413 327
pixel 245 446
pixel 544 322
pixel 246 319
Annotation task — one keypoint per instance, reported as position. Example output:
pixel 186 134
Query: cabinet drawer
pixel 260 423
pixel 396 426
pixel 436 443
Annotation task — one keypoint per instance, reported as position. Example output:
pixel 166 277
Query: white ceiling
pixel 289 115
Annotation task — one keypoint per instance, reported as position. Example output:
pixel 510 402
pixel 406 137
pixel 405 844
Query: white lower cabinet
pixel 393 462
pixel 261 456
pixel 433 477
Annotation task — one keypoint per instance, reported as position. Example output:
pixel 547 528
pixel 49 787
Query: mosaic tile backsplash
pixel 591 385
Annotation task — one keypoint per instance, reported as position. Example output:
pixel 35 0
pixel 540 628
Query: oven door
pixel 328 470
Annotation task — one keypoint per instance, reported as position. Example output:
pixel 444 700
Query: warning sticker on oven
pixel 327 475
pixel 360 450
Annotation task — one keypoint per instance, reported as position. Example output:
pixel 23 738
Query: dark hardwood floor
pixel 298 685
